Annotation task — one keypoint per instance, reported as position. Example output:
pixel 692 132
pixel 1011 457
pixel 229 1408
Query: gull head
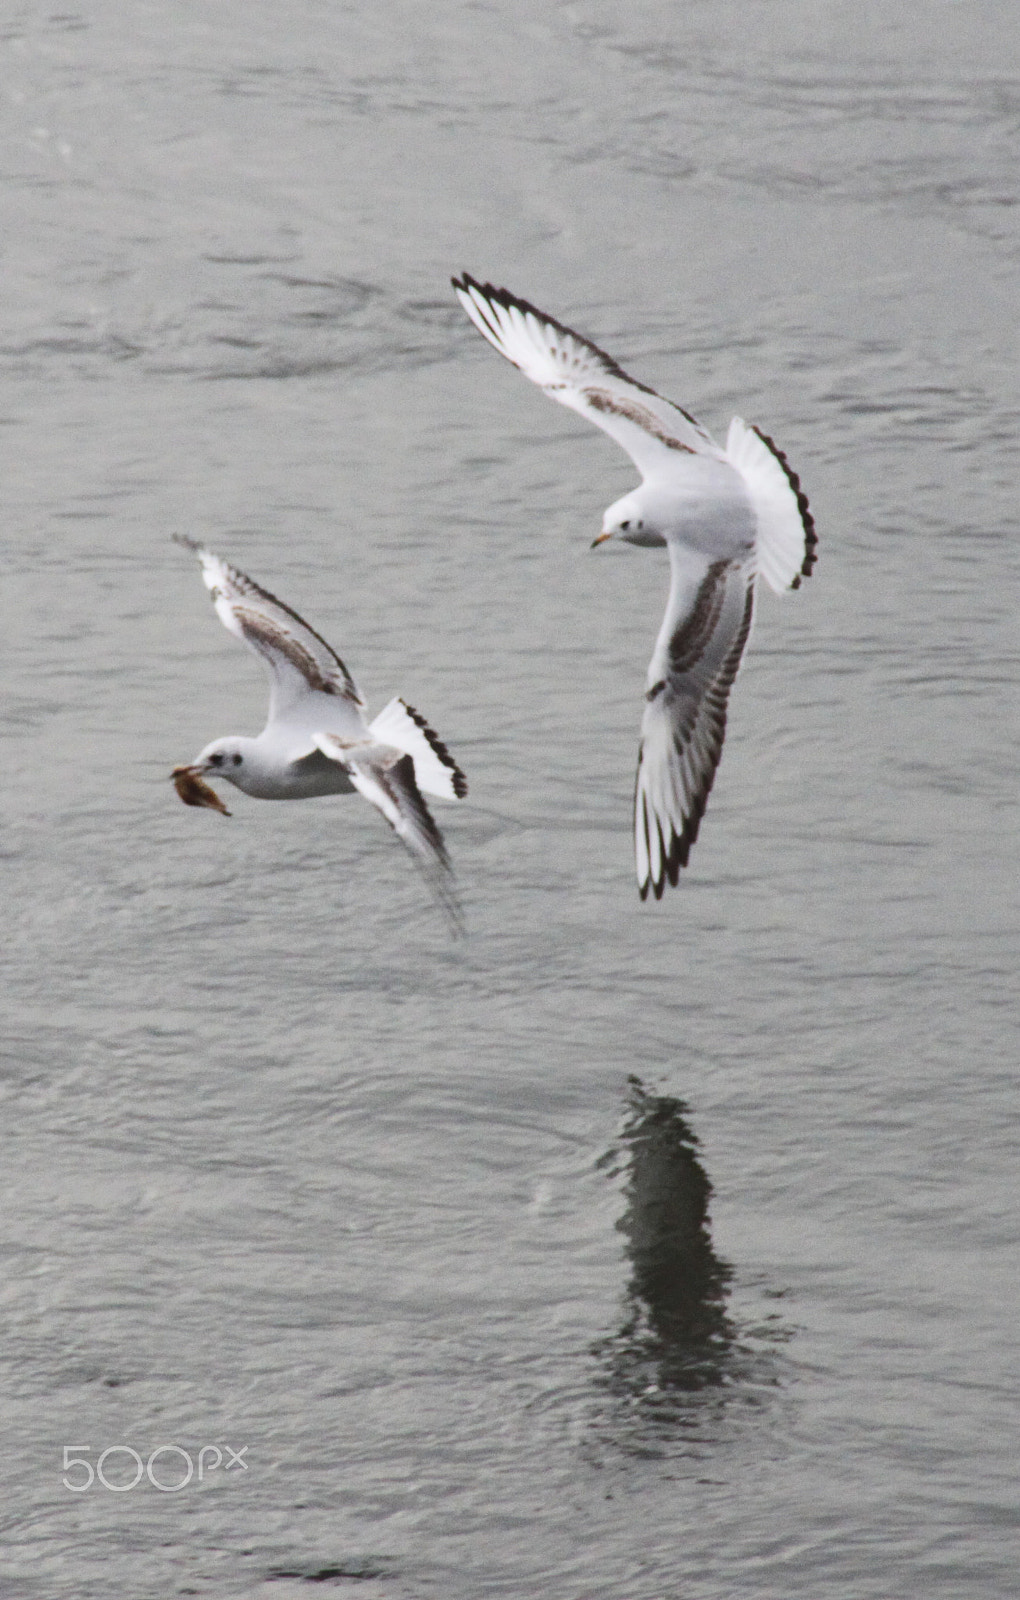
pixel 630 519
pixel 224 758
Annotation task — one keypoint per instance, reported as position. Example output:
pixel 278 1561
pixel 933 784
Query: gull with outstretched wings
pixel 725 515
pixel 317 739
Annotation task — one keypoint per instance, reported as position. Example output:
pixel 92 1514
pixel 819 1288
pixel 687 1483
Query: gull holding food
pixel 317 740
pixel 725 515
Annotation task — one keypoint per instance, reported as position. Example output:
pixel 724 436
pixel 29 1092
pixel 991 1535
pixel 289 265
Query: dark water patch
pixel 74 352
pixel 432 314
pixel 226 259
pixel 245 316
pixel 341 1572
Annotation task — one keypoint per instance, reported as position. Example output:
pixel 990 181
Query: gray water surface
pixel 424 1227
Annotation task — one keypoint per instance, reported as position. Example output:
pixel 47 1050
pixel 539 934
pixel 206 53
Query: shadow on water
pixel 679 1354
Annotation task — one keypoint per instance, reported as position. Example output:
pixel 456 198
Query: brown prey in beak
pixel 194 792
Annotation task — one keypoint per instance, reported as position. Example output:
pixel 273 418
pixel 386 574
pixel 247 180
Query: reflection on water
pixel 677 1339
pixel 680 1354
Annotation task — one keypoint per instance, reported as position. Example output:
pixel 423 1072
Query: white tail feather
pixel 435 770
pixel 786 532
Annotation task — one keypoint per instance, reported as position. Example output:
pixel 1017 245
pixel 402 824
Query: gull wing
pixel 699 649
pixel 299 661
pixel 655 433
pixel 385 776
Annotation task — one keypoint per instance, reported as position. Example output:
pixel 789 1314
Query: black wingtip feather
pixel 403 770
pixel 437 870
pixel 503 297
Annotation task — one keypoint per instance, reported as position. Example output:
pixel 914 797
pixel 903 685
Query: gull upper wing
pixel 691 673
pixel 298 659
pixel 655 433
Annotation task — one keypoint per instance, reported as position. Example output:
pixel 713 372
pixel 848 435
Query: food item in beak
pixel 194 792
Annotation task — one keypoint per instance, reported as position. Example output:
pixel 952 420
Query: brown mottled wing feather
pixel 695 662
pixel 299 659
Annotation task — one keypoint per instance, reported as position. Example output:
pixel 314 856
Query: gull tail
pixel 435 770
pixel 787 541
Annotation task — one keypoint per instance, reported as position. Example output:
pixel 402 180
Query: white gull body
pixel 725 515
pixel 317 739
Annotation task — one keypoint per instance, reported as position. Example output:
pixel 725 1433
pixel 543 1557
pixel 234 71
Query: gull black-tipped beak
pixel 601 539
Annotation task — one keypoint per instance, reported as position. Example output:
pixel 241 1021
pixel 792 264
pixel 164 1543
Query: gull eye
pixel 238 760
pixel 625 525
pixel 216 760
